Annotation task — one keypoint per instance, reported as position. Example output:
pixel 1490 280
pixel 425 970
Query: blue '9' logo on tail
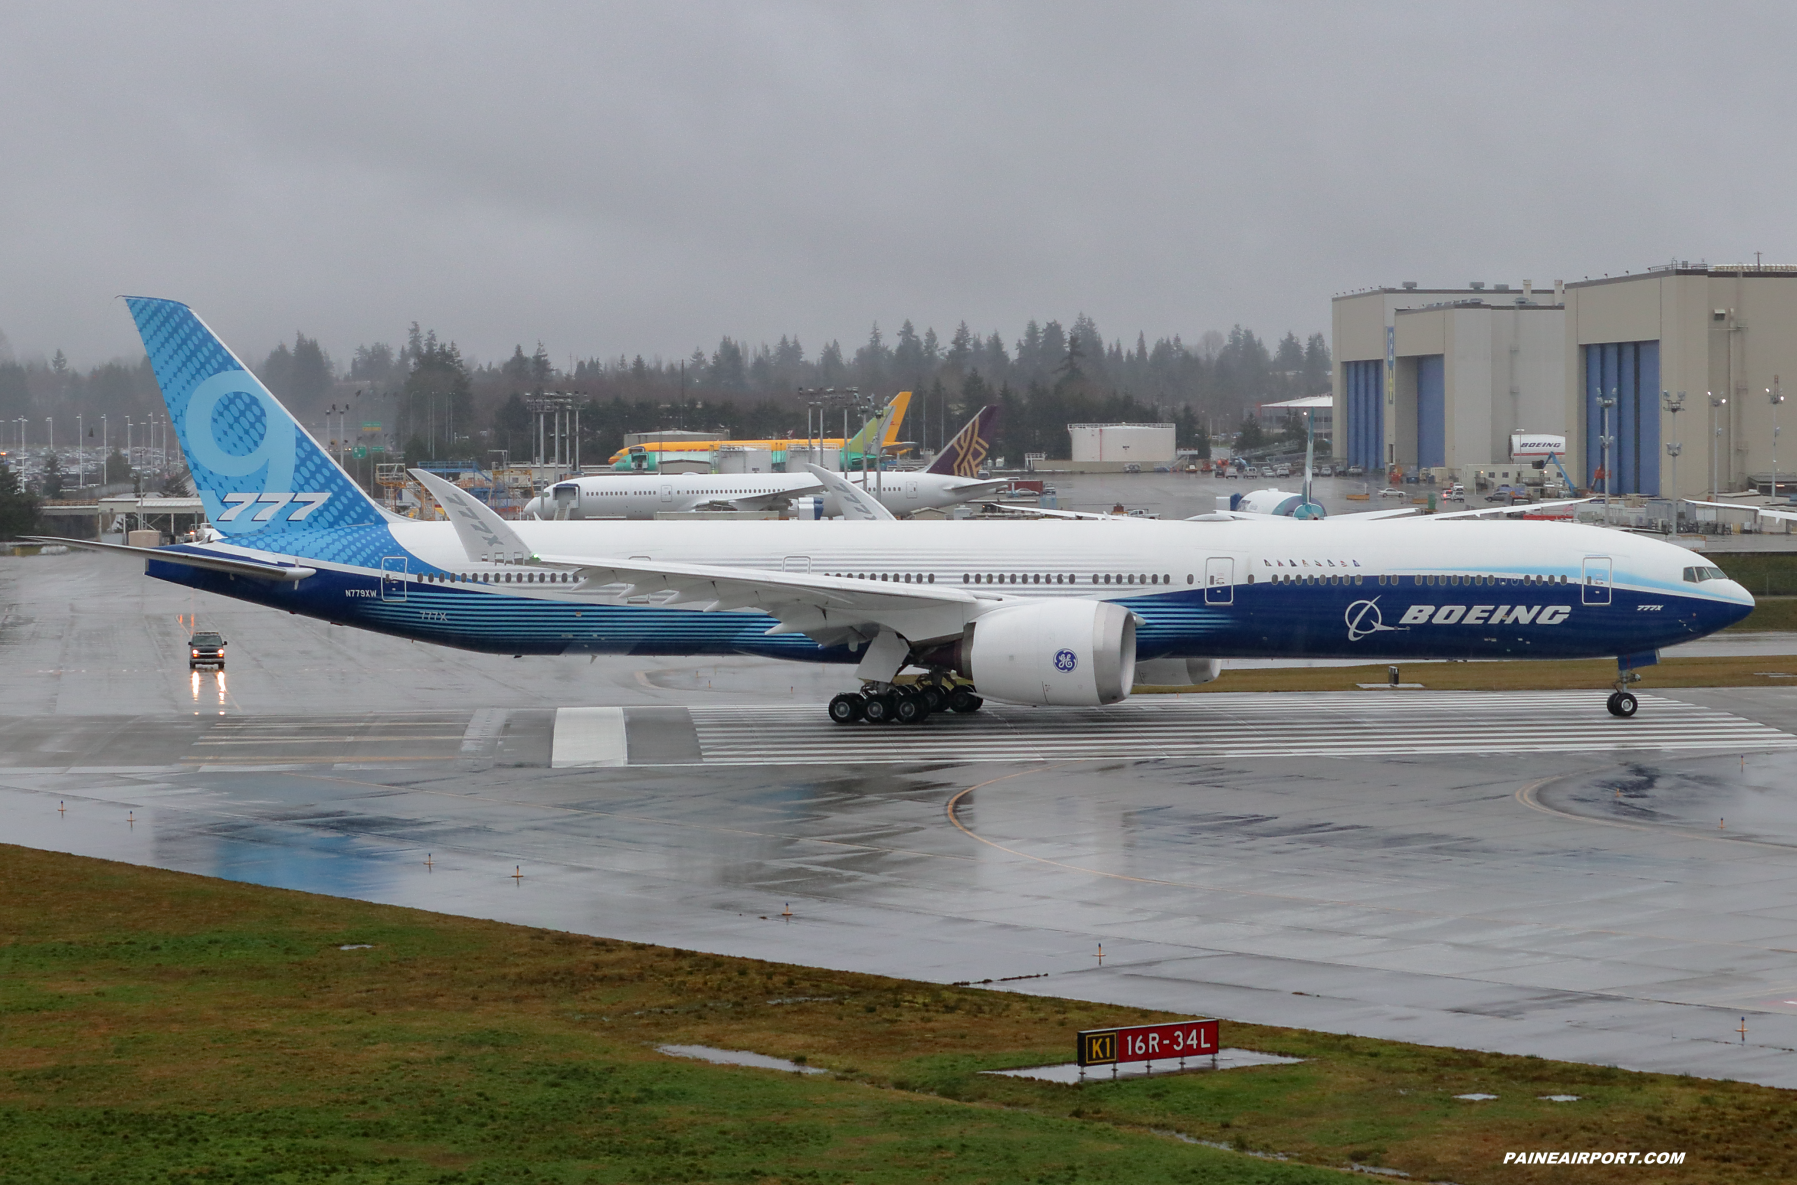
pixel 253 466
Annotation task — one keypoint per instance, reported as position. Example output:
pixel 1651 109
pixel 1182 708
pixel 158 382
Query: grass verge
pixel 162 1027
pixel 1589 674
pixel 1770 613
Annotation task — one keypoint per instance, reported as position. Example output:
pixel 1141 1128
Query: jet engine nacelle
pixel 1062 653
pixel 1177 672
pixel 1276 501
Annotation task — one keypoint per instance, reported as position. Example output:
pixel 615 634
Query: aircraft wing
pixel 1514 508
pixel 831 610
pixel 1040 512
pixel 1367 516
pixel 1225 516
pixel 1762 511
pixel 969 490
pixel 234 565
pixel 768 501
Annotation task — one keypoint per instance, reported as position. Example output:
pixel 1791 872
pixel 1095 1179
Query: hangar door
pixel 1629 373
pixel 1365 391
pixel 1431 411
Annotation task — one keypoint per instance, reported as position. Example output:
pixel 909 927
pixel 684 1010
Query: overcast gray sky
pixel 647 177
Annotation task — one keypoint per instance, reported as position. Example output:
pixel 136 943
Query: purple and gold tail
pixel 963 456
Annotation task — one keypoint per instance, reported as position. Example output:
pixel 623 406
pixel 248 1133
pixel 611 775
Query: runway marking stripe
pixel 588 737
pixel 1340 724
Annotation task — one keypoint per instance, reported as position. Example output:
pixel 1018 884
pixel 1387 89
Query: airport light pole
pixel 1772 393
pixel 1605 441
pixel 1673 449
pixel 1674 405
pixel 1715 435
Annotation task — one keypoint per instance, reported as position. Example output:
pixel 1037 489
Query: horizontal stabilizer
pixel 234 565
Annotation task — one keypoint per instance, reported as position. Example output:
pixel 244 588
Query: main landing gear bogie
pixel 900 704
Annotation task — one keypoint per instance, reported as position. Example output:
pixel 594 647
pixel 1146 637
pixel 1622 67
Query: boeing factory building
pixel 1440 378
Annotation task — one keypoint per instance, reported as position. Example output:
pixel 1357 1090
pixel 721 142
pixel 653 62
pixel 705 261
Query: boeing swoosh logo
pixel 1364 620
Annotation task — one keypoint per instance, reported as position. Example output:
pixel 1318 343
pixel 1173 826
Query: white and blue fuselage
pixel 1235 589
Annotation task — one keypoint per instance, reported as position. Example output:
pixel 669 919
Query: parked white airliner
pixel 952 479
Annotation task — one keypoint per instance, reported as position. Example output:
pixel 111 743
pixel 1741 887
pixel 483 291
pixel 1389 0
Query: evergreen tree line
pixel 34 390
pixel 1046 379
pixel 435 404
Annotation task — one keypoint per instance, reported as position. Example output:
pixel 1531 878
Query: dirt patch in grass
pixel 160 1025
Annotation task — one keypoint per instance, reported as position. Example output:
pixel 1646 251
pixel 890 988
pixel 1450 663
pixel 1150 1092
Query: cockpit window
pixel 1700 574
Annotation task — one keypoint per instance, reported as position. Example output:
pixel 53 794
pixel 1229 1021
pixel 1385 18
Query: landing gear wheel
pixel 910 709
pixel 879 709
pixel 962 699
pixel 1622 703
pixel 847 708
pixel 933 696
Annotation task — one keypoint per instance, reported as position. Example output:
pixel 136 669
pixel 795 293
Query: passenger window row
pixel 1440 579
pixel 498 577
pixel 983 578
pixel 1324 578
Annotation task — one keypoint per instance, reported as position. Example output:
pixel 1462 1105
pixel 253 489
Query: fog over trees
pixel 436 404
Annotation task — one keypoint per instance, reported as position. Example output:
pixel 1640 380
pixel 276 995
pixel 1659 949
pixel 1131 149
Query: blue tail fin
pixel 255 468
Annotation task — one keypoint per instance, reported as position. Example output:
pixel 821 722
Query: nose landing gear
pixel 1622 701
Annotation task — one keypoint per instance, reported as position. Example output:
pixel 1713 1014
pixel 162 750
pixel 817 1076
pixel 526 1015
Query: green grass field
pixel 161 1027
pixel 1770 613
pixel 1591 674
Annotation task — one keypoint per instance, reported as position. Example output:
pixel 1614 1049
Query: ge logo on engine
pixel 1065 660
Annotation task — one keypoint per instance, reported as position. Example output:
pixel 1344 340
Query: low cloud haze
pixel 646 178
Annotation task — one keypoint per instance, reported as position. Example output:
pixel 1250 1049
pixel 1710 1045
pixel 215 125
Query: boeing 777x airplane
pixel 1069 612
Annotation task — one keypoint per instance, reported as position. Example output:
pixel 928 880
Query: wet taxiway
pixel 1515 872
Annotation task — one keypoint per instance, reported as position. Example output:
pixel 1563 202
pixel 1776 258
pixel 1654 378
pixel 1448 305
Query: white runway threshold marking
pixel 588 737
pixel 1233 724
